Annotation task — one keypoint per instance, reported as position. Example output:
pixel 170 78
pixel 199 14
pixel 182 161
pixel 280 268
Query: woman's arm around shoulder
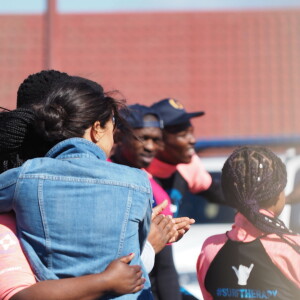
pixel 118 278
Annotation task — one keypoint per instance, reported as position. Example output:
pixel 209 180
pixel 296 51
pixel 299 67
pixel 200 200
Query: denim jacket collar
pixel 75 147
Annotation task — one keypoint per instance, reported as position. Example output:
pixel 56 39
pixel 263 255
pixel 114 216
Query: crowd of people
pixel 90 197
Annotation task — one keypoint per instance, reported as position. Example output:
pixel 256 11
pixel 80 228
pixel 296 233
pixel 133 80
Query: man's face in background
pixel 140 151
pixel 179 144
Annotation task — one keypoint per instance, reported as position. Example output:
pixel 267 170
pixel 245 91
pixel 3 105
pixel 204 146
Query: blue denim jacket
pixel 76 212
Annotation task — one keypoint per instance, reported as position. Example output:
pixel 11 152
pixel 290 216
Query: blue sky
pixel 77 6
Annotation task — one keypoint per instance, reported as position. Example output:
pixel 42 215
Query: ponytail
pixel 253 178
pixel 15 127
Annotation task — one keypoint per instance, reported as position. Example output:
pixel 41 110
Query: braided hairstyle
pixel 36 86
pixel 18 139
pixel 14 126
pixel 252 178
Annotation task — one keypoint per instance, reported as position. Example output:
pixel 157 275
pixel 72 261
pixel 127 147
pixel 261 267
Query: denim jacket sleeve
pixel 145 224
pixel 8 181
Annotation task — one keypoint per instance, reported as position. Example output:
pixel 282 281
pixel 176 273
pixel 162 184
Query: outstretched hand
pixel 161 231
pixel 165 229
pixel 123 278
pixel 159 208
pixel 183 225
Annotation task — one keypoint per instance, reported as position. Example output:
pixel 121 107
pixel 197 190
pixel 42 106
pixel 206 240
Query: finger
pixel 169 237
pixel 176 237
pixel 184 219
pixel 170 227
pixel 137 269
pixel 140 281
pixel 127 259
pixel 181 219
pixel 156 220
pixel 251 267
pixel 235 269
pixel 186 228
pixel 181 231
pixel 159 208
pixel 139 274
pixel 138 288
pixel 169 232
pixel 182 224
pixel 166 221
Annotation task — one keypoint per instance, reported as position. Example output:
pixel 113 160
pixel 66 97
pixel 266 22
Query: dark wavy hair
pixel 71 108
pixel 252 178
pixel 68 110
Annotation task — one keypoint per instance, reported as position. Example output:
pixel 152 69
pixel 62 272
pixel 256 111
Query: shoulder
pixel 194 167
pixel 195 174
pixel 210 249
pixel 214 242
pixel 9 177
pixel 127 170
pixel 127 174
pixel 95 169
pixel 278 246
pixel 283 255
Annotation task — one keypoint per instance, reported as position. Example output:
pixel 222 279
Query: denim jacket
pixel 76 212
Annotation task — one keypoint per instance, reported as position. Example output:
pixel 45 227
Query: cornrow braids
pixel 36 86
pixel 14 128
pixel 252 178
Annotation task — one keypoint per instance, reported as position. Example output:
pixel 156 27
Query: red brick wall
pixel 21 53
pixel 242 68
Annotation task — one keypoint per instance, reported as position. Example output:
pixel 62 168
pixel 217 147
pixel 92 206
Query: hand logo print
pixel 243 273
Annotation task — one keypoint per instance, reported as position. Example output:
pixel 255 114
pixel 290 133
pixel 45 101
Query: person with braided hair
pixel 33 90
pixel 259 258
pixel 17 282
pixel 75 124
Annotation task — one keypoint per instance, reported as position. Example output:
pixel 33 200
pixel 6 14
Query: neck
pixel 119 159
pixel 164 158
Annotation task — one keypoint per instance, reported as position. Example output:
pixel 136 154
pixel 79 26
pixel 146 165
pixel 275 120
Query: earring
pixel 97 139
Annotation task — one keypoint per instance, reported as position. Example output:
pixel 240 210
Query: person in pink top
pixel 138 152
pixel 17 281
pixel 259 258
pixel 177 167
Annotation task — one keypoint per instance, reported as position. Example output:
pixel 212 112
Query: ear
pixel 96 132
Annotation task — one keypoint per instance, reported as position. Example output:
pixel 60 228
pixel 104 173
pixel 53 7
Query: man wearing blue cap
pixel 177 167
pixel 138 152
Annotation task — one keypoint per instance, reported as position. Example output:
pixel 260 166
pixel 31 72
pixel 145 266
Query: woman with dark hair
pixel 260 257
pixel 75 211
